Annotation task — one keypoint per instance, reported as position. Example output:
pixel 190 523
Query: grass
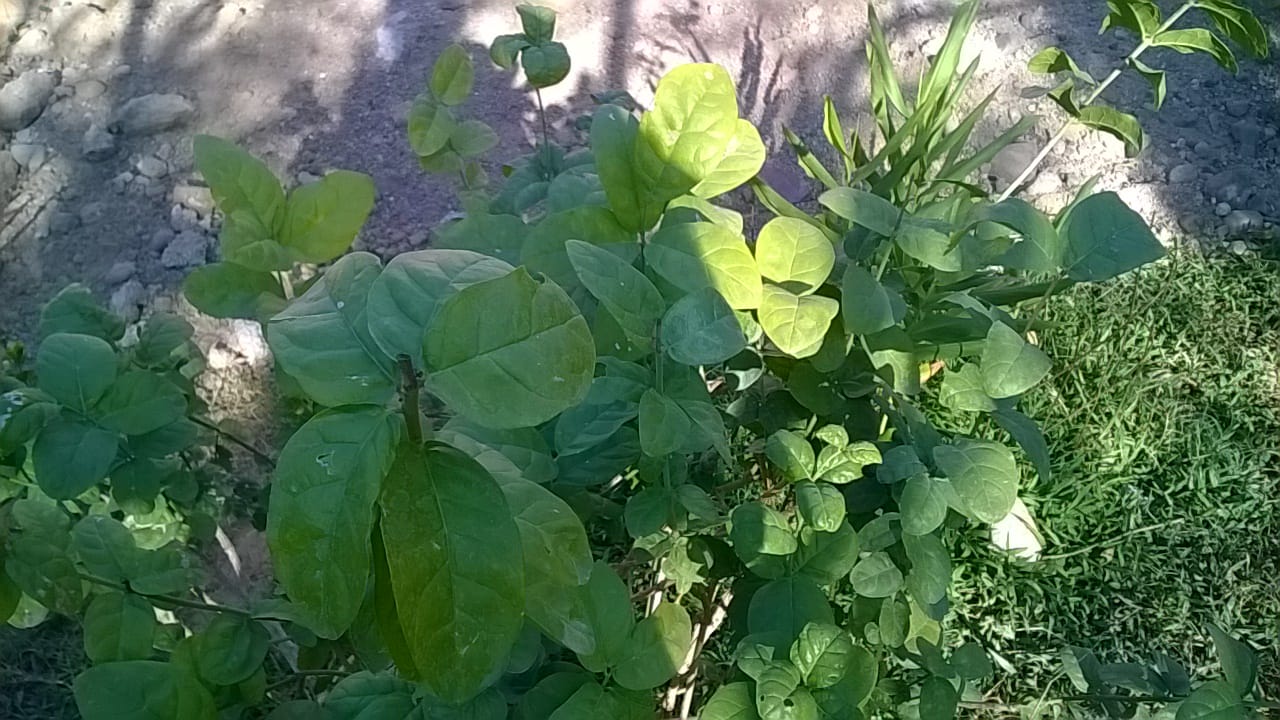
pixel 1163 419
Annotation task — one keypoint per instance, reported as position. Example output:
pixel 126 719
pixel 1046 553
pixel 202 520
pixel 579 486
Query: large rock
pixel 23 99
pixel 154 113
pixel 188 249
pixel 1009 163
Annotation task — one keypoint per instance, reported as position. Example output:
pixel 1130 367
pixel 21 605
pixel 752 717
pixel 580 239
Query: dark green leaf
pixel 231 649
pixel 456 567
pixel 1105 238
pixel 730 702
pixel 161 336
pixel 1159 83
pixel 70 457
pixel 405 296
pixel 780 694
pixel 506 48
pixel 863 209
pixel 1011 365
pixel 938 699
pixel 366 696
pixel 226 290
pixel 106 548
pixel 701 329
pixel 322 512
pixel 827 557
pixel 431 124
pixel 876 576
pixel 971 662
pixel 1040 247
pixel 656 649
pixel 323 218
pixel 239 181
pixel 822 654
pixel 923 504
pixel 1239 24
pixel 984 475
pixel 820 505
pixel 75 369
pixel 1239 662
pixel 867 305
pixel 792 454
pixel 624 291
pixel 538 22
pixel 322 339
pixel 1027 434
pixel 512 369
pixel 545 64
pixel 608 604
pixel 557 561
pixel 140 402
pixel 930 573
pixel 1214 700
pixel 1123 126
pixel 1197 40
pixel 962 389
pixel 141 690
pixel 74 310
pixel 785 606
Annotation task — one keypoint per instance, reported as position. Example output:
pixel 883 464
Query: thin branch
pixel 209 425
pixel 166 599
pixel 304 674
pixel 409 386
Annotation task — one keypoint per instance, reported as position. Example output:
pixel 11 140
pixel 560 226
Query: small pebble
pixel 1183 174
pixel 1222 210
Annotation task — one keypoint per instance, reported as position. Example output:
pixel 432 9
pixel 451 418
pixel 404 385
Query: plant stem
pixel 1093 96
pixel 209 425
pixel 167 599
pixel 409 386
pixel 546 133
pixel 302 674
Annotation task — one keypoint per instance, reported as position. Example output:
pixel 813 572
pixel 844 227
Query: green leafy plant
pixel 597 452
pixel 1078 93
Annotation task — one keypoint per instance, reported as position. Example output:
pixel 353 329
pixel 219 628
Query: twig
pixel 409 385
pixel 166 599
pixel 209 425
pixel 1102 87
pixel 304 674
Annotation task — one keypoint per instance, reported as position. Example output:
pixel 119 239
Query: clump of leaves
pixel 643 432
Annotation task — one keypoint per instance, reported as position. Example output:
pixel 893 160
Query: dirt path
pixel 99 187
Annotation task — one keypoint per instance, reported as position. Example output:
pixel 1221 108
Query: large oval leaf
pixel 698 255
pixel 322 339
pixel 322 512
pixel 411 288
pixel 75 369
pixel 792 251
pixel 323 218
pixel 118 627
pixel 701 329
pixel 71 456
pixel 1010 364
pixel 140 402
pixel 786 606
pixel 743 157
pixel 1104 238
pixel 515 368
pixel 656 649
pixel 684 138
pixel 457 569
pixel 624 291
pixel 557 561
pixel 984 475
pixel 239 181
pixel 796 324
pixel 141 690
